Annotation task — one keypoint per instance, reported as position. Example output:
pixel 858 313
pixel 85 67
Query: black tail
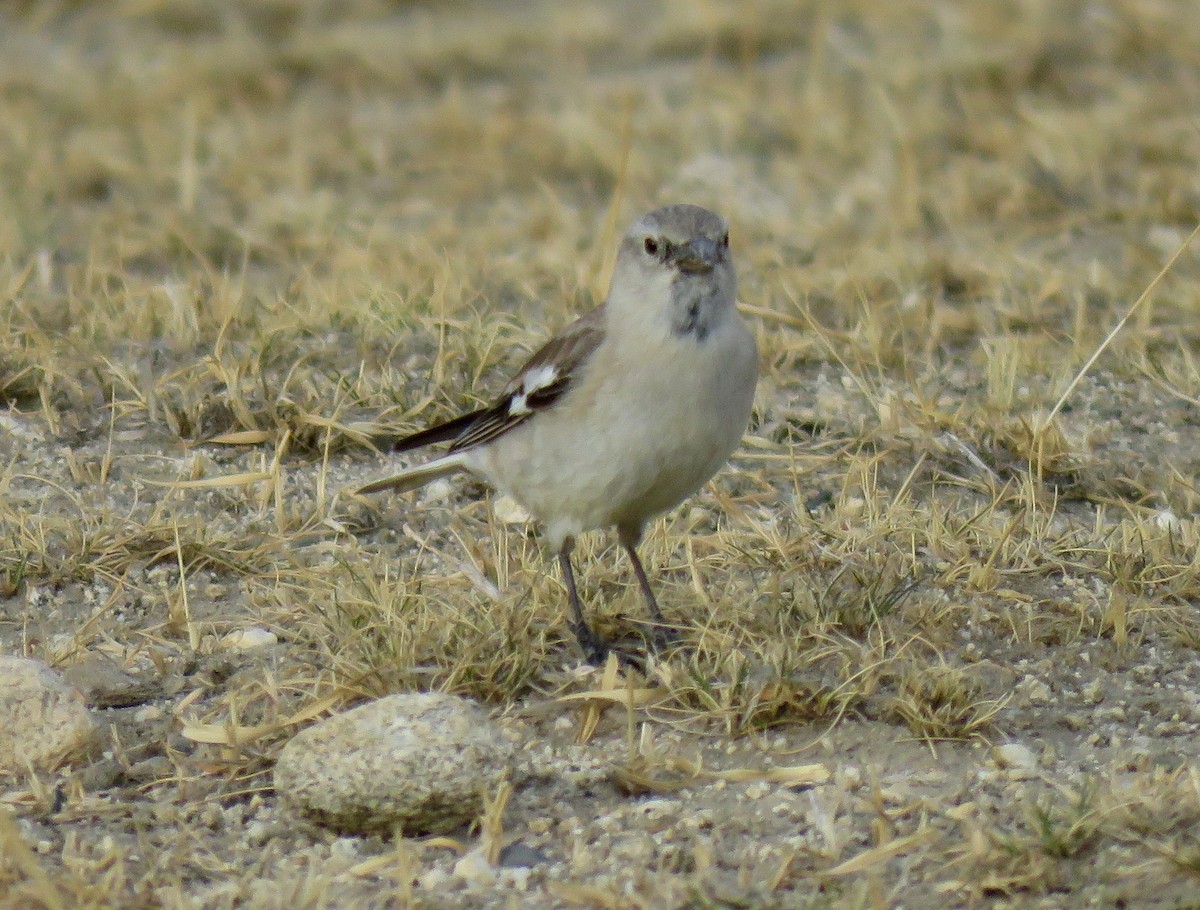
pixel 442 432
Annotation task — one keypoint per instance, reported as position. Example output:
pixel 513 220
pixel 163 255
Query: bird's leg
pixel 665 635
pixel 595 648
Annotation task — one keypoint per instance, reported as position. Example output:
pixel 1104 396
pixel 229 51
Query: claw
pixel 595 649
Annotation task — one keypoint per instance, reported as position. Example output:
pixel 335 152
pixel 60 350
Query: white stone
pixel 1014 755
pixel 1167 520
pixel 1033 691
pixel 249 639
pixel 517 878
pixel 435 879
pixel 508 511
pixel 1017 759
pixel 438 490
pixel 420 763
pixel 474 869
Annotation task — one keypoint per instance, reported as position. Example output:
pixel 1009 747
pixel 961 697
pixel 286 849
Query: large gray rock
pixel 421 763
pixel 43 719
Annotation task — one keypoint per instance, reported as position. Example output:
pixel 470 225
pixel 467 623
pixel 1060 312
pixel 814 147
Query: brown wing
pixel 543 379
pixel 541 382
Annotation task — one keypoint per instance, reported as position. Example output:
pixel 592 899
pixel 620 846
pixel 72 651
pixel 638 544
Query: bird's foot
pixel 662 640
pixel 598 650
pixel 595 649
pixel 665 638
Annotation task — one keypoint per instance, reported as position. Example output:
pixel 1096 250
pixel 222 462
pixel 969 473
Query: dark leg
pixel 665 635
pixel 595 648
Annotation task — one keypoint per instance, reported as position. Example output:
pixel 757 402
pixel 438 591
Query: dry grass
pixel 242 241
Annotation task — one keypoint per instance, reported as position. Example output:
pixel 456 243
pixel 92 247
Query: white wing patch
pixel 517 406
pixel 537 379
pixel 534 381
pixel 544 379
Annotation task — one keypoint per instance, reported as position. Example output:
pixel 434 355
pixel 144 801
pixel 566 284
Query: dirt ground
pixel 940 611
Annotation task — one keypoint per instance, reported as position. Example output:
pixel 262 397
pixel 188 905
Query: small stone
pixel 474 869
pixel 148 714
pixel 508 511
pixel 1093 692
pixel 1167 520
pixel 257 832
pixel 520 856
pixel 849 778
pixel 249 639
pixel 1014 755
pixel 418 762
pixel 515 878
pixel 1075 721
pixel 98 775
pixel 43 719
pixel 1032 691
pixel 1017 759
pixel 155 768
pixel 435 879
pixel 438 490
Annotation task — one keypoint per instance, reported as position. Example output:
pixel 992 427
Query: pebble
pixel 147 714
pixel 438 490
pixel 249 639
pixel 1032 691
pixel 474 869
pixel 155 768
pixel 1017 759
pixel 848 778
pixel 43 719
pixel 522 856
pixel 1093 692
pixel 417 762
pixel 435 879
pixel 515 877
pixel 508 511
pixel 1167 521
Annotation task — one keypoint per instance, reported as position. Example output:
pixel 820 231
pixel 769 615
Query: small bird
pixel 627 411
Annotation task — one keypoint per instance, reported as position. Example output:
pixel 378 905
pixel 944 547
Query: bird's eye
pixel 651 246
pixel 725 240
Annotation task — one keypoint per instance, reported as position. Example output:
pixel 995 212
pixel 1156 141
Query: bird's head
pixel 676 259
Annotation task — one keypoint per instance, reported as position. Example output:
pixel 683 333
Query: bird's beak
pixel 696 257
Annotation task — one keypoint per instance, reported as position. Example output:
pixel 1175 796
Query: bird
pixel 624 413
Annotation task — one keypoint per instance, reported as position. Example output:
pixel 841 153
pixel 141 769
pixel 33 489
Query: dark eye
pixel 651 246
pixel 725 240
